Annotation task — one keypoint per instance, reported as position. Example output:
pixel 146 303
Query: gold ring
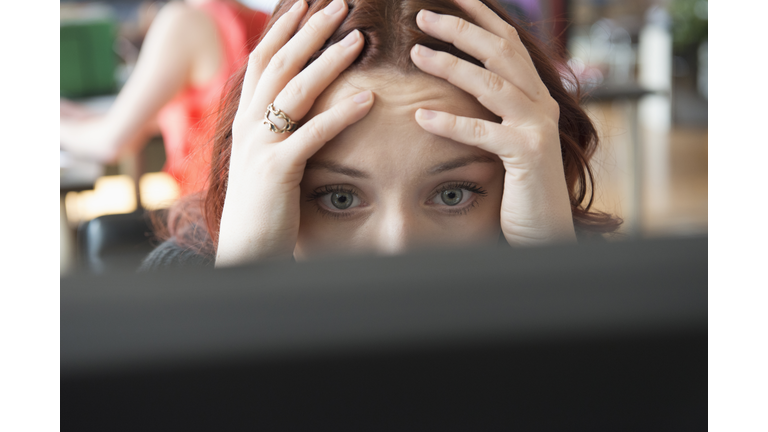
pixel 290 125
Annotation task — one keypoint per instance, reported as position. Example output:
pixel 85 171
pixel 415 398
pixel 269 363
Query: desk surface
pixel 76 174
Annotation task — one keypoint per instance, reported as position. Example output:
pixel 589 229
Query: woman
pixel 385 126
pixel 192 48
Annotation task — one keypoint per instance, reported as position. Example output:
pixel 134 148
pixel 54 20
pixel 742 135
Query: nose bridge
pixel 398 230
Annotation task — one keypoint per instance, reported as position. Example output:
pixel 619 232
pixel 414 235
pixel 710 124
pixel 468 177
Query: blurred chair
pixel 115 242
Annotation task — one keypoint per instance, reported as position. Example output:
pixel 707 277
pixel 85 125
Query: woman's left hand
pixel 535 206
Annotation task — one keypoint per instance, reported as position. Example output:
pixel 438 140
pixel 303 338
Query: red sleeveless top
pixel 187 122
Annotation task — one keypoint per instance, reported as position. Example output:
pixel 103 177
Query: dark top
pixel 170 254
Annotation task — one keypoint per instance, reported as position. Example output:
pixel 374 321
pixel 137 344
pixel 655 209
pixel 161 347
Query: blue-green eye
pixel 339 200
pixel 342 201
pixel 451 197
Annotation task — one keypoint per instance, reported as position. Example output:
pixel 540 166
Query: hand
pixel 535 205
pixel 260 218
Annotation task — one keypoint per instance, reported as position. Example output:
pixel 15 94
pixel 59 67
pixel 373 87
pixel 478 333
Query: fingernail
pixel 429 16
pixel 424 51
pixel 296 6
pixel 332 8
pixel 362 97
pixel 426 114
pixel 350 39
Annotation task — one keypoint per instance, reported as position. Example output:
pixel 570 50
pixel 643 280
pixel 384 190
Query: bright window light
pixel 110 195
pixel 157 190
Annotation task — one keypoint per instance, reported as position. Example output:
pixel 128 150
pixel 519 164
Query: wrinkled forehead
pixel 390 132
pixel 398 94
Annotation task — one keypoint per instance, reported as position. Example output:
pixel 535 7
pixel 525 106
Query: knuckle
pixel 493 82
pixel 328 59
pixel 512 33
pixel 295 90
pixel 477 9
pixel 256 59
pixel 496 62
pixel 461 26
pixel 453 65
pixel 276 64
pixel 317 131
pixel 342 113
pixel 505 49
pixel 312 27
pixel 478 130
pixel 452 124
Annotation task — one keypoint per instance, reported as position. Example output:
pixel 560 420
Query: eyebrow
pixel 336 168
pixel 458 163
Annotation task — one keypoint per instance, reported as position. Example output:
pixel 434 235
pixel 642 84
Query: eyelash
pixel 481 193
pixel 328 189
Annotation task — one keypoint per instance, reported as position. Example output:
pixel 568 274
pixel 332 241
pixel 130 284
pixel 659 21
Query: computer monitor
pixel 583 337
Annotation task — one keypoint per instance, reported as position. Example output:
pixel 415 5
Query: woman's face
pixel 385 185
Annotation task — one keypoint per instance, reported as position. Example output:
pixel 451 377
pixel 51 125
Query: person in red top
pixel 190 52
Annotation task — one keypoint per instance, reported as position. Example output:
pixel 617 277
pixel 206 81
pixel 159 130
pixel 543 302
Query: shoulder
pixel 179 19
pixel 183 41
pixel 169 255
pixel 178 11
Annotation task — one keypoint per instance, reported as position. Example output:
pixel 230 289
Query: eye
pixel 452 197
pixel 340 200
pixel 457 197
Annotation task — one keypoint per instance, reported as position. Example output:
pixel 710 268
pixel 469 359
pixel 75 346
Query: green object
pixel 689 23
pixel 87 62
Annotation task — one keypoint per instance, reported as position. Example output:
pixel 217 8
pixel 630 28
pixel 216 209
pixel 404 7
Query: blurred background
pixel 643 64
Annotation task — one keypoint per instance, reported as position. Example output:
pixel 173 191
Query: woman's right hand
pixel 260 218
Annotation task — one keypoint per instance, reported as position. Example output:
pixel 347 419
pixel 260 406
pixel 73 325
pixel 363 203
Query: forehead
pixel 388 138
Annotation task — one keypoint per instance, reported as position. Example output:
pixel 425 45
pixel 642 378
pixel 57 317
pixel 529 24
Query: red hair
pixel 390 31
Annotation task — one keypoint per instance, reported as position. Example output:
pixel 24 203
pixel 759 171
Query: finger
pixel 487 19
pixel 300 93
pixel 291 58
pixel 489 136
pixel 492 91
pixel 306 141
pixel 497 54
pixel 276 37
